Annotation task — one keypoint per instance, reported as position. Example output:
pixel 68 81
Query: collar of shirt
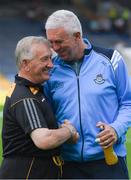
pixel 26 82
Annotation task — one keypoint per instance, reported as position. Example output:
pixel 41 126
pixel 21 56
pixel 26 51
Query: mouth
pixel 62 54
pixel 61 51
pixel 45 70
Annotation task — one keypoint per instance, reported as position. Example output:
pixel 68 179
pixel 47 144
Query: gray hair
pixel 64 19
pixel 24 48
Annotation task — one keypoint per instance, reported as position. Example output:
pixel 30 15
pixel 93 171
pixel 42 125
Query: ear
pixel 25 65
pixel 77 35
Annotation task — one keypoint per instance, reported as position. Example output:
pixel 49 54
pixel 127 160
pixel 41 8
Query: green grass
pixel 0 133
pixel 128 144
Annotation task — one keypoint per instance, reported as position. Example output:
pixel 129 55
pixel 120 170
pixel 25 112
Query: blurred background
pixel 105 23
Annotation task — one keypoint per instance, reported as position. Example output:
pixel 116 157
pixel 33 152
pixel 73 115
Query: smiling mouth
pixel 45 70
pixel 62 54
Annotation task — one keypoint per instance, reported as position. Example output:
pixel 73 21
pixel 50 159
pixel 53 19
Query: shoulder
pixel 113 56
pixel 21 92
pixel 104 51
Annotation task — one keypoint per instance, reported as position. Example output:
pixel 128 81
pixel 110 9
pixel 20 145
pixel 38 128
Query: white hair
pixel 64 19
pixel 24 48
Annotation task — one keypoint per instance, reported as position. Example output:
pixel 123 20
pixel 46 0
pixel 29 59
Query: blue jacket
pixel 100 92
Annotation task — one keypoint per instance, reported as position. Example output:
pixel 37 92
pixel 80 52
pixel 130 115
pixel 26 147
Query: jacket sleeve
pixel 123 90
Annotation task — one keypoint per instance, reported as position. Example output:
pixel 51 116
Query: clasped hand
pixel 74 134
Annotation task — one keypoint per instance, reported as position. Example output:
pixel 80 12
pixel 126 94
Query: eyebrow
pixel 46 56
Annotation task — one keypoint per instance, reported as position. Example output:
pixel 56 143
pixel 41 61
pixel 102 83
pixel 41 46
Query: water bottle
pixel 109 153
pixel 110 156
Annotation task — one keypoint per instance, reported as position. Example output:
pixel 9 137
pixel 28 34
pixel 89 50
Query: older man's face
pixel 40 65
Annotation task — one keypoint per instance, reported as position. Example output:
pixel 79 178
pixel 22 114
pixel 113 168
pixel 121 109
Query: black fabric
pixel 28 168
pixel 87 51
pixel 104 51
pixel 23 112
pixel 95 170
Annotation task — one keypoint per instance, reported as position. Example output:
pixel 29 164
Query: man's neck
pixel 80 52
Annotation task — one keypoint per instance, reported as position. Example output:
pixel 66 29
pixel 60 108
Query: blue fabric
pixel 101 92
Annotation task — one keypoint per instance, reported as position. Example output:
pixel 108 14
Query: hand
pixel 107 137
pixel 74 134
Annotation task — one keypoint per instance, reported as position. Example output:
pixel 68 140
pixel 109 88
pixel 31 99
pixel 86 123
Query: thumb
pixel 100 125
pixel 66 121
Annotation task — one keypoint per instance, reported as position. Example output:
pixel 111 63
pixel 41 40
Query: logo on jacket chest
pixel 58 85
pixel 99 79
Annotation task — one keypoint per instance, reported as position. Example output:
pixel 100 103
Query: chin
pixel 64 58
pixel 46 78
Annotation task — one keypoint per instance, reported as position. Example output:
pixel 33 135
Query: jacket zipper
pixel 78 86
pixel 82 136
pixel 77 72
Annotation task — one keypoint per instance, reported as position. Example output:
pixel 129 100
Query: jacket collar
pixel 26 82
pixel 58 60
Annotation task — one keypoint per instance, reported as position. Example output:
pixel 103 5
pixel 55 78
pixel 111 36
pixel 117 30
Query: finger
pixel 97 140
pixel 106 146
pixel 105 143
pixel 100 125
pixel 66 121
pixel 77 135
pixel 75 139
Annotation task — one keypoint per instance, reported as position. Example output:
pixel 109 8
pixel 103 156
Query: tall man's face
pixel 63 43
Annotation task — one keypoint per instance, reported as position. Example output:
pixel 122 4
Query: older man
pixel 30 135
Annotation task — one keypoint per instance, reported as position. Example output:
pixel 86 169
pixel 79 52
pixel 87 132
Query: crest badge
pixel 99 79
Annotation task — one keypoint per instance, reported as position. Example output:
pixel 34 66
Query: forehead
pixel 58 33
pixel 40 47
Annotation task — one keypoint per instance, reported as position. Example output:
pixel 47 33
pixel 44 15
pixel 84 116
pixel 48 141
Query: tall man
pixel 90 87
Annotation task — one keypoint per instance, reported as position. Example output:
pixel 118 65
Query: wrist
pixel 71 129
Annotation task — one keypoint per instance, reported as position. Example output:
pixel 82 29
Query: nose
pixel 55 46
pixel 50 64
